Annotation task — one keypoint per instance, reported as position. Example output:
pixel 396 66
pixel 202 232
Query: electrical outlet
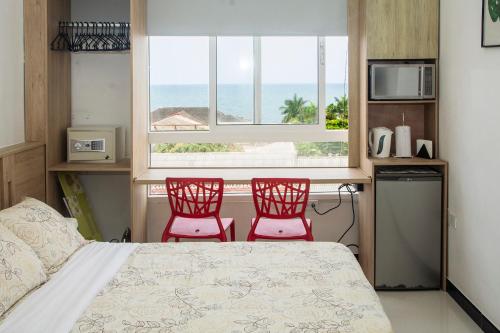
pixel 452 220
pixel 315 203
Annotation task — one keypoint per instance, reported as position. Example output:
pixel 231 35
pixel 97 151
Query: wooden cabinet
pixel 402 29
pixel 22 173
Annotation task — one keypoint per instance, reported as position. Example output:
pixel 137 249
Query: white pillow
pixel 20 269
pixel 72 222
pixel 40 226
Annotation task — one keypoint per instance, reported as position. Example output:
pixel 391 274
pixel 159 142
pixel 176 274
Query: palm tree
pixel 292 109
pixel 338 109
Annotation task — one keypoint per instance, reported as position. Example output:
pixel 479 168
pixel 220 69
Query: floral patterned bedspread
pixel 237 287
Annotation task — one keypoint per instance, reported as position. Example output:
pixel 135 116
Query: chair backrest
pixel 195 197
pixel 280 198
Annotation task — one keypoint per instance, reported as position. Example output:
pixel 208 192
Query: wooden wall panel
pixel 29 175
pixel 353 28
pixel 47 84
pixel 6 168
pixel 58 99
pixel 35 69
pixel 402 29
pixel 140 110
pixel 431 120
pixel 364 162
pixel 59 86
pixel 22 173
pixel 139 213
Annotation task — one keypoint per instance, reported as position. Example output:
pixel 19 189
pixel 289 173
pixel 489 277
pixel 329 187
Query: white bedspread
pixel 57 305
pixel 293 287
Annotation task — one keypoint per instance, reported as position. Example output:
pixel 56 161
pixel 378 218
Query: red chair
pixel 195 204
pixel 281 205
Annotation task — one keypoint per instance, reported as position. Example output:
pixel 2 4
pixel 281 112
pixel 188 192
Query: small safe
pixel 95 144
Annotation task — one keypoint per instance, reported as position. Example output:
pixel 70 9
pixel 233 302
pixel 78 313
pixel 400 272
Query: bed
pixel 203 287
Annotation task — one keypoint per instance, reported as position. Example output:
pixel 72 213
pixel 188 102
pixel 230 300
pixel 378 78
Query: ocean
pixel 237 99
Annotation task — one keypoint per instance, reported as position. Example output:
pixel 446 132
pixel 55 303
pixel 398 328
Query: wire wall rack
pixel 92 37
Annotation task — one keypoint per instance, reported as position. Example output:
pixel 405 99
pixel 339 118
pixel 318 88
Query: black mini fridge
pixel 408 221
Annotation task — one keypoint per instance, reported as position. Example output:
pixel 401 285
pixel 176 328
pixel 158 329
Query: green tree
pixel 298 111
pixel 196 148
pixel 292 109
pixel 337 124
pixel 338 109
pixel 308 115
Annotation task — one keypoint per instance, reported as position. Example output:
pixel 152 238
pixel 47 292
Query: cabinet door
pixel 402 29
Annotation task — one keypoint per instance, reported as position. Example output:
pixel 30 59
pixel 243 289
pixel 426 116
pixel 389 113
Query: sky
pixel 292 60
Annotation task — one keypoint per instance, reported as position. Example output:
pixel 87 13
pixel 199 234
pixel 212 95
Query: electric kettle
pixel 379 140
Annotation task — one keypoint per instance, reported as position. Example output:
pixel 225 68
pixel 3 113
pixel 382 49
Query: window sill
pixel 247 197
pixel 244 175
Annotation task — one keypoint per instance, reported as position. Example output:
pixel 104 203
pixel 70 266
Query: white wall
pixel 470 137
pixel 328 227
pixel 100 83
pixel 109 197
pixel 101 95
pixel 11 73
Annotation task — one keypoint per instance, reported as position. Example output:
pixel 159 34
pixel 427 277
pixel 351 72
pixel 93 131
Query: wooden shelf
pixel 423 101
pixel 406 161
pixel 122 166
pixel 244 175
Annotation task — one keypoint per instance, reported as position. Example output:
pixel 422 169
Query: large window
pixel 248 101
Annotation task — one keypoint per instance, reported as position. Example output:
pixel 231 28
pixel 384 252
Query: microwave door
pixel 397 82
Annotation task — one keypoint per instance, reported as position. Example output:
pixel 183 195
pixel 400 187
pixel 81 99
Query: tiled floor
pixel 425 311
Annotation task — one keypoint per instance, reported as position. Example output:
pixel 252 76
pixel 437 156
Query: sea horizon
pixel 237 99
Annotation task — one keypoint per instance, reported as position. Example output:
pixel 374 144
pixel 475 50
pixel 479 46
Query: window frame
pixel 228 133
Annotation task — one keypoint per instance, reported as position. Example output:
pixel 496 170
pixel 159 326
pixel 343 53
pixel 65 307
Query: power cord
pixel 351 192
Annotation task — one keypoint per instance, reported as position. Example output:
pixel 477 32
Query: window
pixel 235 80
pixel 248 101
pixel 179 90
pixel 289 78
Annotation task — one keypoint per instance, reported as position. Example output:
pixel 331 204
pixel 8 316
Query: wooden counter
pixel 244 175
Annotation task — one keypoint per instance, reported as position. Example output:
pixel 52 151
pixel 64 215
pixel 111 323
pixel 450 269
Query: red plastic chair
pixel 195 204
pixel 281 205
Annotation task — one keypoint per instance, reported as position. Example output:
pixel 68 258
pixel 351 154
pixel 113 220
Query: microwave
pixel 402 81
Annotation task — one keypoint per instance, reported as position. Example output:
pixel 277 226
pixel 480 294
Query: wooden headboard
pixel 22 173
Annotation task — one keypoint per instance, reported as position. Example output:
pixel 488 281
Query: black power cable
pixel 351 192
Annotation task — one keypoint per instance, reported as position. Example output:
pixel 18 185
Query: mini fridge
pixel 408 220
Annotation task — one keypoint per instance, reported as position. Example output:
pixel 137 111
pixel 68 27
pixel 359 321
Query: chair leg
pixel 233 232
pixel 165 237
